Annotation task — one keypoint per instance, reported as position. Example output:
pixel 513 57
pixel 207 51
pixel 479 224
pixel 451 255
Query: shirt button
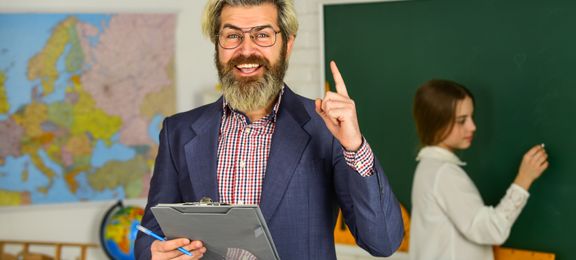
pixel 247 130
pixel 242 164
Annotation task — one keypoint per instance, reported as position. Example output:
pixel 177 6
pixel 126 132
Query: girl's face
pixel 461 134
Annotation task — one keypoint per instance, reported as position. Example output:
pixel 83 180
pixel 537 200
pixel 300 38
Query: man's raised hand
pixel 339 113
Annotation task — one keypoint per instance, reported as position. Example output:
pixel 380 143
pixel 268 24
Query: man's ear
pixel 291 39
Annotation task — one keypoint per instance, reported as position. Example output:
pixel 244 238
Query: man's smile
pixel 248 69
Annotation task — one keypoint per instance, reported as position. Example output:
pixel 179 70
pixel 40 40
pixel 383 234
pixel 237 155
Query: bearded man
pixel 298 159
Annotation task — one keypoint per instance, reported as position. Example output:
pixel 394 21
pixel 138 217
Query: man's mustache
pixel 247 59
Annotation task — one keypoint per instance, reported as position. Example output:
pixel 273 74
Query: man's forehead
pixel 249 16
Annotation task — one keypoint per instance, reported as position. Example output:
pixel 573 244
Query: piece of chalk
pixel 542 145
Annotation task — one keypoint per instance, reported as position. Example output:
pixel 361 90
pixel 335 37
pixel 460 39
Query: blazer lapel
pixel 288 144
pixel 201 153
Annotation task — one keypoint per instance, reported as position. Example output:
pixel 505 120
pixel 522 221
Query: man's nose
pixel 247 46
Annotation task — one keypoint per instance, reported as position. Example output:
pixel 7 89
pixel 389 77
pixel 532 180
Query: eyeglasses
pixel 263 36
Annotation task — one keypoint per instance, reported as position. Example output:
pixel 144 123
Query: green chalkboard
pixel 517 57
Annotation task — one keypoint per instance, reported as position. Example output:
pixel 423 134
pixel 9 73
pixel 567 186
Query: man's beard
pixel 252 93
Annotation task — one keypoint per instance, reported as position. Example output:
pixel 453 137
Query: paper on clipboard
pixel 228 232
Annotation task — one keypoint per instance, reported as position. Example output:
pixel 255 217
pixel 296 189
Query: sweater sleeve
pixel 459 198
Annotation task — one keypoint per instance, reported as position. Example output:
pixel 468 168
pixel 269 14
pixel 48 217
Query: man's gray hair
pixel 286 16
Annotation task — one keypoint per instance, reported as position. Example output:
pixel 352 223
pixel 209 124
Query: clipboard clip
pixel 205 201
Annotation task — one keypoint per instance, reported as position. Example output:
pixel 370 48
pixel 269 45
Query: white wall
pixel 79 222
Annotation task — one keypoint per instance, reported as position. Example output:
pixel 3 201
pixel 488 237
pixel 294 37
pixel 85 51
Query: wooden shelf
pixel 57 249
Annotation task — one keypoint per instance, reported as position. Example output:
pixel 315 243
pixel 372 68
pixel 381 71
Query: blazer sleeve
pixel 163 189
pixel 370 208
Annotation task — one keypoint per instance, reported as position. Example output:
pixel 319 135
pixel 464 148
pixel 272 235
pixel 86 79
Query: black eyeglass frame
pixel 249 31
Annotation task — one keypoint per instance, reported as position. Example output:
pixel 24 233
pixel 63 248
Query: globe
pixel 118 231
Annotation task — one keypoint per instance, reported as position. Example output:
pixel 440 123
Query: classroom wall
pixel 79 222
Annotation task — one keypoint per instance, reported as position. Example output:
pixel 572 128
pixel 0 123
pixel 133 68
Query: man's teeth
pixel 248 66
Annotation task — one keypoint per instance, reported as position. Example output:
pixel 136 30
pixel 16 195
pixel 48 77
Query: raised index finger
pixel 338 80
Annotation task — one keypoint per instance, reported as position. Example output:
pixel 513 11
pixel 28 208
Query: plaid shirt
pixel 243 149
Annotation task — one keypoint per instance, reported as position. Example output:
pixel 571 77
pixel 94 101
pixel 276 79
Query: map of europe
pixel 82 99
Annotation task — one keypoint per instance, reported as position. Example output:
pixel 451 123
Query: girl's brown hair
pixel 434 109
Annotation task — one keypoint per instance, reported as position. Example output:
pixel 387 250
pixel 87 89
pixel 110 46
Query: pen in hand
pixel 152 234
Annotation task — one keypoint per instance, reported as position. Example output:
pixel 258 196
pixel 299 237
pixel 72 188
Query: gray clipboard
pixel 228 231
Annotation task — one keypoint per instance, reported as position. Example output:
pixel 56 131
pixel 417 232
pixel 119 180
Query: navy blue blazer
pixel 306 180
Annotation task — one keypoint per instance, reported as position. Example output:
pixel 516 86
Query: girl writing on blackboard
pixel 449 218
